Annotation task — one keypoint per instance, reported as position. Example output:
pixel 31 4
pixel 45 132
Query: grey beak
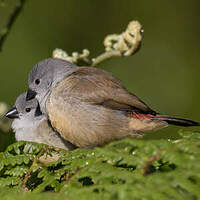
pixel 12 113
pixel 30 95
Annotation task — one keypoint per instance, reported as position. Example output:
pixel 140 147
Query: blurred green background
pixel 164 73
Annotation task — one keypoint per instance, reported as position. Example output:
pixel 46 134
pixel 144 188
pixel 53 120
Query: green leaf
pixel 126 169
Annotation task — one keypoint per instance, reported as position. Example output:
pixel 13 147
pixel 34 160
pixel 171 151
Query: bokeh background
pixel 165 72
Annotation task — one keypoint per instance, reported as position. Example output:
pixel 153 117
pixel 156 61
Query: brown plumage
pixel 90 107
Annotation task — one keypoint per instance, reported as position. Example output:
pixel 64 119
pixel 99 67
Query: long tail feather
pixel 177 121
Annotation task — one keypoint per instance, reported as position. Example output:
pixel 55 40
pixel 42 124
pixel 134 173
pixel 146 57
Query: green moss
pixel 126 169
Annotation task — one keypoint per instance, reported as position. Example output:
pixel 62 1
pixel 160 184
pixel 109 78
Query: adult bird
pixel 89 106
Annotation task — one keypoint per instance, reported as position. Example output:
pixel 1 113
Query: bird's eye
pixel 28 109
pixel 37 81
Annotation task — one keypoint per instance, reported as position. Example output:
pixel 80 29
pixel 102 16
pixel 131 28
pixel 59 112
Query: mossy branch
pixel 129 169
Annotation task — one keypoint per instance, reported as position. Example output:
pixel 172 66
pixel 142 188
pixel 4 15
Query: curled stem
pixel 105 56
pixel 125 44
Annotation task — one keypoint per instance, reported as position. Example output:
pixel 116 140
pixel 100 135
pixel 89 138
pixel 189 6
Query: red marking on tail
pixel 169 119
pixel 142 116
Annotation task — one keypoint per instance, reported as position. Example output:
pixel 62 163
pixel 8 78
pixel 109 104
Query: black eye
pixel 37 81
pixel 28 109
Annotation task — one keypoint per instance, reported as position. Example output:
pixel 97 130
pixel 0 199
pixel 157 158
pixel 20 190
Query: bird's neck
pixel 25 128
pixel 58 75
pixel 62 73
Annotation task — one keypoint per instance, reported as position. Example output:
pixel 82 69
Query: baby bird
pixel 30 124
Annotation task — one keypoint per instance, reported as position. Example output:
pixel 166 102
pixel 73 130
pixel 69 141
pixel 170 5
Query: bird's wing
pixel 96 86
pixel 76 108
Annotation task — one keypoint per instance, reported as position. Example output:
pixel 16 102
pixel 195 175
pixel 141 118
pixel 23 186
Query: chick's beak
pixel 30 95
pixel 12 113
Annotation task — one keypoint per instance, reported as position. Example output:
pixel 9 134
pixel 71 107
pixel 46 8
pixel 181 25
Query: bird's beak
pixel 30 95
pixel 12 113
pixel 38 111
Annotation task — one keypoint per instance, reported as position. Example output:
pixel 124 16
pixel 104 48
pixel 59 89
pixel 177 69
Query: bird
pixel 30 124
pixel 89 106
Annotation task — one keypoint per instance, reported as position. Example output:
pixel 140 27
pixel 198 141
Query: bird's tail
pixel 176 121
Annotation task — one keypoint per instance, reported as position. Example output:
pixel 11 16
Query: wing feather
pixel 96 86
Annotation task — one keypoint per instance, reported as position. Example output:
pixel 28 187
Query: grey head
pixel 24 109
pixel 44 75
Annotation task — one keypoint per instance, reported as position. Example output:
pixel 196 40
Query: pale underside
pixel 38 131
